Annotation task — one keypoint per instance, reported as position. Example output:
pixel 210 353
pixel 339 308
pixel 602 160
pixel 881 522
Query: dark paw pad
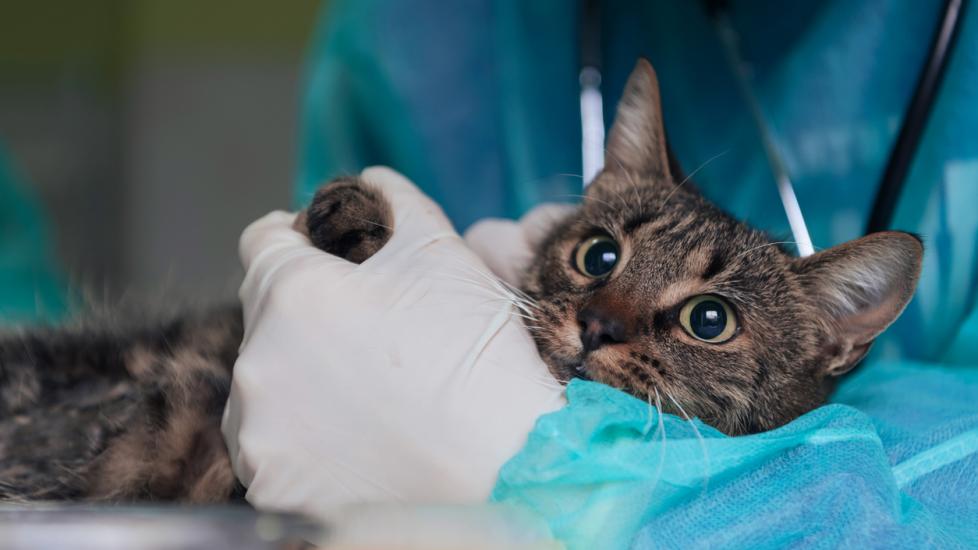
pixel 348 218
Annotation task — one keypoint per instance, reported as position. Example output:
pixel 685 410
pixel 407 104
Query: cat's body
pixel 118 414
pixel 646 287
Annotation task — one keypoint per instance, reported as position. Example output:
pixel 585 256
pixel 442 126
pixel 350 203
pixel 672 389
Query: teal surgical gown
pixel 31 286
pixel 477 102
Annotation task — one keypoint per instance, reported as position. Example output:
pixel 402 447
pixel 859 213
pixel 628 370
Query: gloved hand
pixel 408 377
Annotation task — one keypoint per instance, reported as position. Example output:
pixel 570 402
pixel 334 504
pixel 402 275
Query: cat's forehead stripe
pixel 635 222
pixel 717 264
pixel 654 226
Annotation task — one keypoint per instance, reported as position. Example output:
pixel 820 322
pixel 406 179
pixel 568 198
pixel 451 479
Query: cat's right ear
pixel 637 141
pixel 859 288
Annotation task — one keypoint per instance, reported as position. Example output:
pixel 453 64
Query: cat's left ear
pixel 637 141
pixel 860 288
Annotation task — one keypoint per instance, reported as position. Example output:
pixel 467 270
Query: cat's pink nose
pixel 600 329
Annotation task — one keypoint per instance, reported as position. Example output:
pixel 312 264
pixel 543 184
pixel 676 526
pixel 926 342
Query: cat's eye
pixel 596 256
pixel 708 318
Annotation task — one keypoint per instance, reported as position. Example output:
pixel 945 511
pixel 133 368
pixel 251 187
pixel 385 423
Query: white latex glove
pixel 507 246
pixel 404 378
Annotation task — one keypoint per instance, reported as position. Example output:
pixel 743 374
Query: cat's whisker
pixel 628 176
pixel 492 279
pixel 371 222
pixel 530 317
pixel 662 428
pixel 749 250
pixel 517 294
pixel 527 321
pixel 498 283
pixel 493 292
pixel 520 308
pixel 525 313
pixel 514 299
pixel 699 437
pixel 486 276
pixel 472 270
pixel 507 301
pixel 621 197
pixel 637 191
pixel 524 308
pixel 535 183
pixel 648 422
pixel 691 174
pixel 587 198
pixel 521 311
pixel 704 165
pixel 638 202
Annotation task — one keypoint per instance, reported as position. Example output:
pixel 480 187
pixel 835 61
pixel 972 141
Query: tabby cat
pixel 646 287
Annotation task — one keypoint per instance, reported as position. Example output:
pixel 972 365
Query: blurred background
pixel 150 132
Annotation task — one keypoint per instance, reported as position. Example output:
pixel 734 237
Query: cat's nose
pixel 598 328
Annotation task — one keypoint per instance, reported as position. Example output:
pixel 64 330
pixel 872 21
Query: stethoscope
pixel 901 154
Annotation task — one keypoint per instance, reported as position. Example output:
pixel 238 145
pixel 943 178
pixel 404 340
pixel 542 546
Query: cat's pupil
pixel 708 319
pixel 600 258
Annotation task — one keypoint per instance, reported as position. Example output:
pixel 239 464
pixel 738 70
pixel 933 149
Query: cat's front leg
pixel 348 218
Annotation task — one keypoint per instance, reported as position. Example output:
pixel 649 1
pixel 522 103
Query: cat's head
pixel 650 288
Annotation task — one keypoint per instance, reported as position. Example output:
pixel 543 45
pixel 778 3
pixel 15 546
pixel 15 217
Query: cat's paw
pixel 348 218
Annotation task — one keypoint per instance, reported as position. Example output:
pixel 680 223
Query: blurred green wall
pixel 126 115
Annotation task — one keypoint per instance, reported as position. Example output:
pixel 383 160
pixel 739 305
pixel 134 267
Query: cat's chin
pixel 566 370
pixel 580 371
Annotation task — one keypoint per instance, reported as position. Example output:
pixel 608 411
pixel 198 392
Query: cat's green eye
pixel 708 318
pixel 597 256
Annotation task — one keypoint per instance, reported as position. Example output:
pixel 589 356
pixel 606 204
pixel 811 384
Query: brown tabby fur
pixel 96 413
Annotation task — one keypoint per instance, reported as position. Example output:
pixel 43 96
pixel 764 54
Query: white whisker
pixel 649 422
pixel 365 220
pixel 704 165
pixel 699 437
pixel 662 428
pixel 691 174
pixel 588 198
pixel 749 250
pixel 628 177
